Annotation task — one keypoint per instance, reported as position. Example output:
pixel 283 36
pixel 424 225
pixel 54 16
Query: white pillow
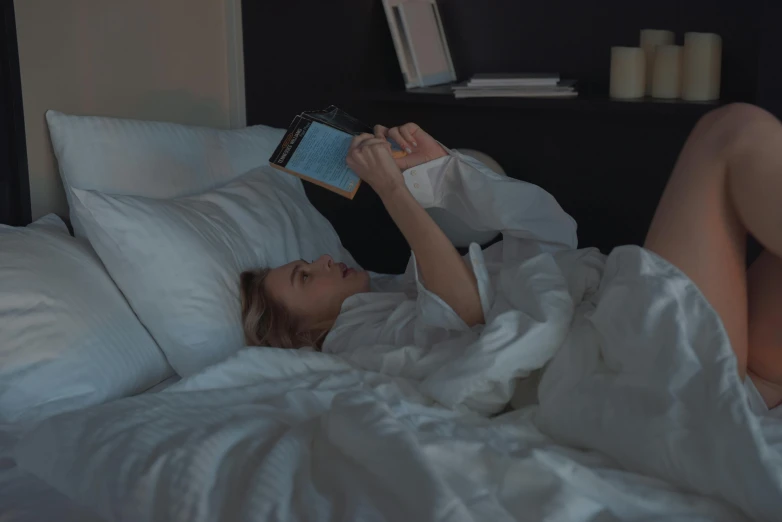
pixel 68 338
pixel 178 261
pixel 152 159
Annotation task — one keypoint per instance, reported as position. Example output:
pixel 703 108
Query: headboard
pixel 14 182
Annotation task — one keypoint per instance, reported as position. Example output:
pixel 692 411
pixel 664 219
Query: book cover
pixel 315 146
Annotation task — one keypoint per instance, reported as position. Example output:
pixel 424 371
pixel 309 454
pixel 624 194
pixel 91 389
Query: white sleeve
pixel 486 200
pixel 432 311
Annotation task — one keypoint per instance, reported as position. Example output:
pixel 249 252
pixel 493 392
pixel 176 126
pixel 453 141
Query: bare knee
pixel 736 115
pixel 734 126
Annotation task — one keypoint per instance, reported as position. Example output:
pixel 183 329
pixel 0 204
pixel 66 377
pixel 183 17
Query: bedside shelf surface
pixel 582 103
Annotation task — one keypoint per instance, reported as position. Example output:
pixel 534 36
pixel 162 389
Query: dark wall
pixel 606 162
pixel 574 37
pixel 308 54
pixel 14 184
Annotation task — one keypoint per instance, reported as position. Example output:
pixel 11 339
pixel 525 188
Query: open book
pixel 315 147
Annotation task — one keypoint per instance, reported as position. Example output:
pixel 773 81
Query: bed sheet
pixel 25 498
pixel 289 435
pixel 164 384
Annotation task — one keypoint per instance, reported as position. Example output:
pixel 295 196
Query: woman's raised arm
pixel 441 268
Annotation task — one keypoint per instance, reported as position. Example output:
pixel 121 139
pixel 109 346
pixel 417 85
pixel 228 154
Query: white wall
pixel 169 60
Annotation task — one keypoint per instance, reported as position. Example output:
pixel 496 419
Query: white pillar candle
pixel 701 66
pixel 667 73
pixel 650 40
pixel 628 73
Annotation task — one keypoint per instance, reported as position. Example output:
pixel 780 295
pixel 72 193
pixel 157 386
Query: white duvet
pixel 641 417
pixel 285 435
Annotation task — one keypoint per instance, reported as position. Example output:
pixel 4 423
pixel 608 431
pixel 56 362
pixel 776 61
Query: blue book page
pixel 321 156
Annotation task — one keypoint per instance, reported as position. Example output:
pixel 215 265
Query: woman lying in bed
pixel 726 184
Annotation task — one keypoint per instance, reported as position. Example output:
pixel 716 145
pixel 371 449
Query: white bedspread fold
pixel 648 376
pixel 274 435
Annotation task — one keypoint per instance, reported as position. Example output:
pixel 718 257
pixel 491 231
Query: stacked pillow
pixel 176 213
pixel 178 261
pixel 68 338
pixel 152 159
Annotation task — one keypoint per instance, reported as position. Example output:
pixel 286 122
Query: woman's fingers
pixel 396 135
pixel 361 138
pixel 380 131
pixel 374 142
pixel 407 130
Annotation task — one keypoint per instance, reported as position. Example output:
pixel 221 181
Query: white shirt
pixel 403 329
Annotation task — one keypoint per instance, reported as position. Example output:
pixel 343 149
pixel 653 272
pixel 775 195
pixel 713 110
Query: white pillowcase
pixel 152 159
pixel 68 338
pixel 178 261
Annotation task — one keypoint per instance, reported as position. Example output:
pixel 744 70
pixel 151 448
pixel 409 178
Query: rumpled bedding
pixel 275 435
pixel 641 413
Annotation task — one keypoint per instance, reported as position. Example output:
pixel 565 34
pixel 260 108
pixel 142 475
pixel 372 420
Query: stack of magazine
pixel 524 85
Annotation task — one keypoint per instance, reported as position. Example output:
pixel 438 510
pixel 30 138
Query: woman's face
pixel 314 292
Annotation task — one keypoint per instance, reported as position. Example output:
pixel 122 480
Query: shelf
pixel 585 104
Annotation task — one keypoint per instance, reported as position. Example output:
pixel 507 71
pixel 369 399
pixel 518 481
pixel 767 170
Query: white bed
pixel 26 498
pixel 285 435
pixel 642 376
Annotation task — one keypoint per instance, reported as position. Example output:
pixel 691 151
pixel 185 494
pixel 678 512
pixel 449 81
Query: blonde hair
pixel 266 322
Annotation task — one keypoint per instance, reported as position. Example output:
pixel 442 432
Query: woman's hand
pixel 441 267
pixel 370 158
pixel 418 144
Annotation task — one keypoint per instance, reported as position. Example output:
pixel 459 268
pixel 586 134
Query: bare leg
pixel 764 363
pixel 727 182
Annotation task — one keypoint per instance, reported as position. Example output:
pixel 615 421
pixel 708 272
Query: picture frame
pixel 420 43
